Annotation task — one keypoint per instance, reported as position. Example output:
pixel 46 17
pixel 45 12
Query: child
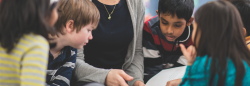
pixel 223 58
pixel 244 10
pixel 77 19
pixel 23 41
pixel 163 34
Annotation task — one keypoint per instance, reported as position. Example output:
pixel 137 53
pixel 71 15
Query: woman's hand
pixel 139 83
pixel 189 53
pixel 175 82
pixel 117 77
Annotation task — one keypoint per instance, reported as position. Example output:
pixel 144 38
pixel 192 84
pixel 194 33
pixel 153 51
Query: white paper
pixel 166 75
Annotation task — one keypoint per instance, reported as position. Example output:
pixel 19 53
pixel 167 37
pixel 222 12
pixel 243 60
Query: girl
pixel 220 56
pixel 23 44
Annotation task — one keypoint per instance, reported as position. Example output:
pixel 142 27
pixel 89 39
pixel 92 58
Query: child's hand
pixel 175 82
pixel 189 53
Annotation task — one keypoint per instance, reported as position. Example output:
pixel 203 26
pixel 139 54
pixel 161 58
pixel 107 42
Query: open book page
pixel 166 75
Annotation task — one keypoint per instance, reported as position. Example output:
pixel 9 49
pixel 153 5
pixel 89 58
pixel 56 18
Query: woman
pixel 117 45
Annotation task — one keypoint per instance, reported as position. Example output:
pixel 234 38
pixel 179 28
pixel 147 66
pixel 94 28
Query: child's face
pixel 81 38
pixel 172 27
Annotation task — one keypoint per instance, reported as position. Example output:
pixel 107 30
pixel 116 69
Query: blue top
pixel 59 71
pixel 199 78
pixel 111 38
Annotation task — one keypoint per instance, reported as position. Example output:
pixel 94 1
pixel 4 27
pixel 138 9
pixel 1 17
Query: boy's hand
pixel 139 83
pixel 189 53
pixel 175 82
pixel 117 77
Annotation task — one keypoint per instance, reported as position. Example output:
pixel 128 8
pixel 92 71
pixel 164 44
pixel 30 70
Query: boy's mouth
pixel 85 43
pixel 170 37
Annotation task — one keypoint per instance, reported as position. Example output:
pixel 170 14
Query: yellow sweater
pixel 26 64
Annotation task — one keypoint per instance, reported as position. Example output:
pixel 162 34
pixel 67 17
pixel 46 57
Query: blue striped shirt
pixel 60 69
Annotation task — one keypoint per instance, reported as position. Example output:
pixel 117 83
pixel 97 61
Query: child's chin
pixel 171 40
pixel 79 47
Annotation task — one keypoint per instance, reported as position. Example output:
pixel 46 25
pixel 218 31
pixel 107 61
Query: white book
pixel 166 75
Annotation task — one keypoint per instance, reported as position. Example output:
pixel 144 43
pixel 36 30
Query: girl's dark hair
pixel 19 17
pixel 221 38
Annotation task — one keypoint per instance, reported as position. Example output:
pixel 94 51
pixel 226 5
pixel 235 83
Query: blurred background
pixel 152 6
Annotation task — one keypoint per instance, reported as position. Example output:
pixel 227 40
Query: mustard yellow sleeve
pixel 34 65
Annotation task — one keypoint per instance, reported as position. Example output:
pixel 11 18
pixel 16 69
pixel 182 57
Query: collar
pixel 65 52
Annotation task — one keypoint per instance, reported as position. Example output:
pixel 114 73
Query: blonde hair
pixel 82 12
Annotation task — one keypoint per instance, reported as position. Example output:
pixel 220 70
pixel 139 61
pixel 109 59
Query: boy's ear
pixel 190 21
pixel 157 13
pixel 69 26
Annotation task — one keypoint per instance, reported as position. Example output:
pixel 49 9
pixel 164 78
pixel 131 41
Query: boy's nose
pixel 170 30
pixel 90 37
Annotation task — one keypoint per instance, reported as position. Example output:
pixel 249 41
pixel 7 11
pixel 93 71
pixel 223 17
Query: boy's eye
pixel 178 25
pixel 164 23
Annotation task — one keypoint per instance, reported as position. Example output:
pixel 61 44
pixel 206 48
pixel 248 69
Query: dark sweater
pixel 111 38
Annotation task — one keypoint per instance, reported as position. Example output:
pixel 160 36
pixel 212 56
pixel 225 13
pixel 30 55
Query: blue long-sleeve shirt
pixel 198 77
pixel 59 70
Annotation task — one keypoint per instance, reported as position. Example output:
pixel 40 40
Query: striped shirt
pixel 26 64
pixel 60 69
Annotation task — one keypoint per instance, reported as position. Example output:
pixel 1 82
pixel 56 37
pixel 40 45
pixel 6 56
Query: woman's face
pixel 53 17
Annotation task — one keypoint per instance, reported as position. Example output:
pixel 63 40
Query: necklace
pixel 108 11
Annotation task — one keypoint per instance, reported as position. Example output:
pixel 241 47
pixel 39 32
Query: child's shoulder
pixel 152 25
pixel 153 20
pixel 34 40
pixel 201 60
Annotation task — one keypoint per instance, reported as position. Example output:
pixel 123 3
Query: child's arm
pixel 186 80
pixel 197 74
pixel 64 73
pixel 34 65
